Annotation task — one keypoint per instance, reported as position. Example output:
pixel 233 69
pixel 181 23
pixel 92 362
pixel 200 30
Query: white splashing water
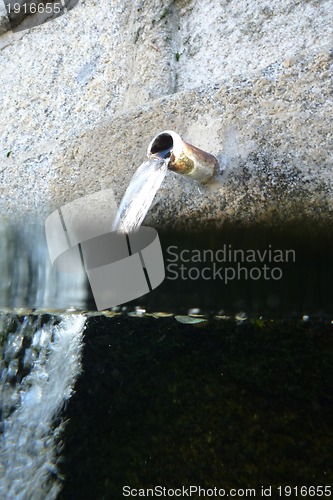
pixel 39 366
pixel 140 194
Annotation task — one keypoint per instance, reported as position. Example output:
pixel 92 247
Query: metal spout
pixel 184 158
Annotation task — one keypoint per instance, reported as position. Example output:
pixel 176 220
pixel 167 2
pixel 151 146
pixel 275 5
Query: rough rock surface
pixel 249 81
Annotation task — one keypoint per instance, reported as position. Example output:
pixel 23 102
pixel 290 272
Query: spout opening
pixel 182 157
pixel 162 145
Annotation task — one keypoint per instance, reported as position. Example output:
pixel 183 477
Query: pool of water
pixel 280 272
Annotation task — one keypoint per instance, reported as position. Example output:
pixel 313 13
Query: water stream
pixel 140 194
pixel 41 360
pixel 40 354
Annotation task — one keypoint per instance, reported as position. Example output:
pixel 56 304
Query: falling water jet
pixel 140 194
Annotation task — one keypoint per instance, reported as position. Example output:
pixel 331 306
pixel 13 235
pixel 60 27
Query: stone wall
pixel 249 81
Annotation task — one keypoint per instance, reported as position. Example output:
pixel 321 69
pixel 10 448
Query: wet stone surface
pixel 220 404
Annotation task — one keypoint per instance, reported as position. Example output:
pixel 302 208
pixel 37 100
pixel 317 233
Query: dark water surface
pixel 276 272
pixel 220 404
pixel 281 272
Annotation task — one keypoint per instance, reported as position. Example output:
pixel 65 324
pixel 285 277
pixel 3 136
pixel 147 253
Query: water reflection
pixel 27 277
